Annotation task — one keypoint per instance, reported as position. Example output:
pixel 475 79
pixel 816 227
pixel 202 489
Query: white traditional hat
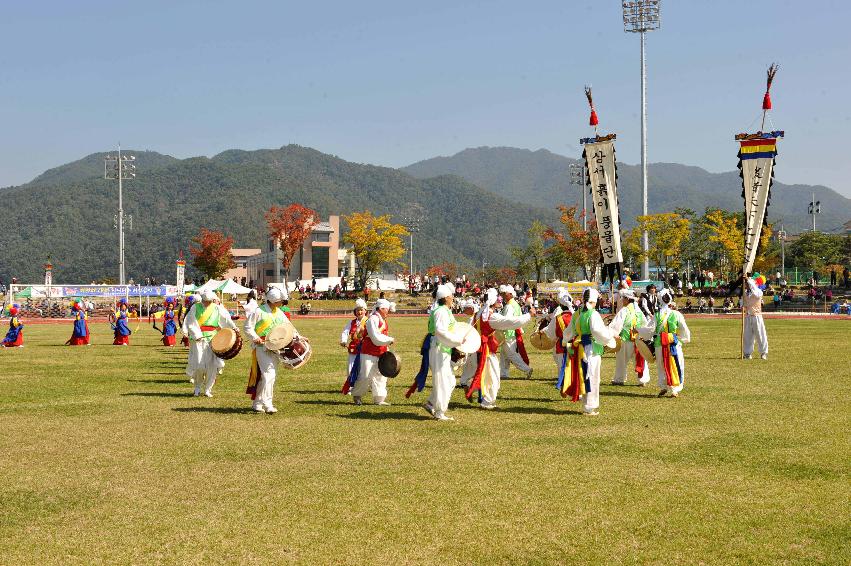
pixel 444 291
pixel 626 293
pixel 382 304
pixel 360 304
pixel 196 298
pixel 208 295
pixel 274 295
pixel 593 296
pixel 510 290
pixel 665 296
pixel 492 296
pixel 564 298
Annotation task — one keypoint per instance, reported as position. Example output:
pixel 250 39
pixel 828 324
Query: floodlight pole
pixel 641 16
pixel 121 169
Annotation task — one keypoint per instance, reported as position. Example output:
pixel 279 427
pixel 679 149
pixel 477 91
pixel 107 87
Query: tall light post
pixel 577 177
pixel 781 235
pixel 814 208
pixel 121 168
pixel 412 216
pixel 640 17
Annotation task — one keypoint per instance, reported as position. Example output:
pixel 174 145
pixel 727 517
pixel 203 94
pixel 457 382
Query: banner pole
pixel 743 315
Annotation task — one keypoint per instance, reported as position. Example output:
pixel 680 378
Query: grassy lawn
pixel 106 458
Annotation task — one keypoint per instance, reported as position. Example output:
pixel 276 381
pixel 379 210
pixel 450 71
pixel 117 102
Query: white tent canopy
pixel 233 288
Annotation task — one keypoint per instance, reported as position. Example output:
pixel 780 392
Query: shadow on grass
pixel 159 380
pixel 219 410
pixel 538 411
pixel 316 391
pixel 328 402
pixel 155 394
pixel 532 399
pixel 381 415
pixel 644 392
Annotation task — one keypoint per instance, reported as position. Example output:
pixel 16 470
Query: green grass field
pixel 108 459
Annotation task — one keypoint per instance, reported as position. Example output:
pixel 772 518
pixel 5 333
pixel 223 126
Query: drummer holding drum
pixel 260 325
pixel 442 325
pixel 204 320
pixel 375 340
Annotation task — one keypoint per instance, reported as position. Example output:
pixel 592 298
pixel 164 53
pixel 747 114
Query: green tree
pixel 533 257
pixel 815 250
pixel 666 233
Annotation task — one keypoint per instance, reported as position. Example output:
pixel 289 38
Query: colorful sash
pixel 354 374
pixel 674 375
pixel 521 347
pixel 208 319
pixel 482 377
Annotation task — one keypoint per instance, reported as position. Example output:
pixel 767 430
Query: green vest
pixel 268 321
pixel 668 324
pixel 211 321
pixel 432 326
pixel 511 309
pixel 633 320
pixel 582 327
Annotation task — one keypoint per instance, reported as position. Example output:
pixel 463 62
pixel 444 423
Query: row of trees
pixel 373 239
pixel 676 240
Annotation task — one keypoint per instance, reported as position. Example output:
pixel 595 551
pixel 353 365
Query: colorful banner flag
pixel 756 168
pixel 602 177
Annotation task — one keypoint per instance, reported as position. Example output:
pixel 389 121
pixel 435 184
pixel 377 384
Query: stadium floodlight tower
pixel 413 215
pixel 640 17
pixel 577 177
pixel 121 168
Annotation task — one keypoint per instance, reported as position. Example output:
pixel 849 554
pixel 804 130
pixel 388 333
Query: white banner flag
pixel 756 163
pixel 602 182
pixel 181 277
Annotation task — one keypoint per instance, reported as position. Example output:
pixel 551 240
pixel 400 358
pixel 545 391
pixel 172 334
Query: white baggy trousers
pixel 203 366
pixel 370 377
pixel 755 331
pixel 663 381
pixel 443 378
pixel 591 399
pixel 268 363
pixel 625 364
pixel 509 355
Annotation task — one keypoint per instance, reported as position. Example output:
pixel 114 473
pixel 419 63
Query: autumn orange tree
pixel 727 230
pixel 374 240
pixel 572 244
pixel 212 256
pixel 289 226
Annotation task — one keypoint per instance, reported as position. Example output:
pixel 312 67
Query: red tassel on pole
pixel 766 101
pixel 593 120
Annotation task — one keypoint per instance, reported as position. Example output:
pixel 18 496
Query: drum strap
pixel 253 376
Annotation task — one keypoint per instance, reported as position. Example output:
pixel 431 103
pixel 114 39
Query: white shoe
pixel 591 413
pixel 208 394
pixel 764 357
pixel 258 409
pixel 358 401
pixel 529 373
pixel 191 380
pixel 197 393
pixel 383 403
pixel 748 357
pixel 270 409
pixel 444 418
pixel 428 407
pixel 488 407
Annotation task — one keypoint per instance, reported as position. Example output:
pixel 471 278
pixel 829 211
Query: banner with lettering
pixel 757 154
pixel 602 180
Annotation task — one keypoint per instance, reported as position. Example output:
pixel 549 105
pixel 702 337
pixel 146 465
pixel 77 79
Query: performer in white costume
pixel 263 373
pixel 754 325
pixel 376 339
pixel 469 362
pixel 488 322
pixel 510 350
pixel 559 320
pixel 441 325
pixel 626 323
pixel 593 334
pixel 205 318
pixel 668 330
pixel 351 335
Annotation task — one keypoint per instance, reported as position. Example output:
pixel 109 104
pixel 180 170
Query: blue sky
pixel 391 83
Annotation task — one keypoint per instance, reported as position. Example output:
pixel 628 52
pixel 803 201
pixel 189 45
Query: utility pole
pixel 412 216
pixel 640 17
pixel 781 235
pixel 577 177
pixel 121 168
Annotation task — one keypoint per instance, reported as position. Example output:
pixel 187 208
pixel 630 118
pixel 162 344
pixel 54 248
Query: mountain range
pixel 542 178
pixel 477 204
pixel 68 212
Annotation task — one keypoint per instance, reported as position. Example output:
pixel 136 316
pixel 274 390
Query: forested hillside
pixel 68 212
